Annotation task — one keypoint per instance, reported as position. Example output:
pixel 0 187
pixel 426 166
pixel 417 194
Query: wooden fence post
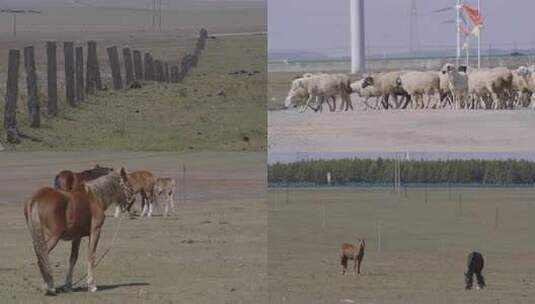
pixel 128 66
pixel 80 88
pixel 68 51
pixel 52 78
pixel 149 67
pixel 115 67
pixel 174 74
pixel 31 84
pixel 159 70
pixel 12 94
pixel 138 66
pixel 166 72
pixel 93 80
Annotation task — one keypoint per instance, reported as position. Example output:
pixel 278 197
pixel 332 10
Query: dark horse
pixel 474 265
pixel 67 180
pixel 53 215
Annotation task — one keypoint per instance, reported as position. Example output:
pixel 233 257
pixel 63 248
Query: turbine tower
pixel 358 63
pixel 414 35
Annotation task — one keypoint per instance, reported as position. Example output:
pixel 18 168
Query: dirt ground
pixel 212 251
pixel 423 247
pixel 393 130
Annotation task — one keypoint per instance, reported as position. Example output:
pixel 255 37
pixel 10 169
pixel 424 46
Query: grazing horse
pixel 143 182
pixel 67 180
pixel 53 215
pixel 166 186
pixel 352 252
pixel 474 265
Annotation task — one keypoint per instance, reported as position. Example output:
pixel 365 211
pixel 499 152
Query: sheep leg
pixel 347 100
pixel 307 104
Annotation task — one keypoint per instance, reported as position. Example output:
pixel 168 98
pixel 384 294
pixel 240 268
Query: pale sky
pixel 323 26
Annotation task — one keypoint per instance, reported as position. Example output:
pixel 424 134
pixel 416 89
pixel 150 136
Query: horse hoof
pixel 67 289
pixel 50 292
pixel 93 288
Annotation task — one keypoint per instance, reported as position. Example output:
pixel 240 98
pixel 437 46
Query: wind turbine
pixel 358 63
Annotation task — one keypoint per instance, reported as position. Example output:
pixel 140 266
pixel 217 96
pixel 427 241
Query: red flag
pixel 473 14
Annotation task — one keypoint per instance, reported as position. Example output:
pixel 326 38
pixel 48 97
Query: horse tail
pixel 38 238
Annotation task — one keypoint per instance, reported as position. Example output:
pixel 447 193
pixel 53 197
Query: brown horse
pixel 352 252
pixel 53 215
pixel 67 180
pixel 144 183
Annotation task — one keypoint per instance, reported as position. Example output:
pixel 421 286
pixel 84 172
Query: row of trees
pixel 382 171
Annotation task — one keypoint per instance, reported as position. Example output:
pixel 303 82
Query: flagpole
pixel 458 8
pixel 479 38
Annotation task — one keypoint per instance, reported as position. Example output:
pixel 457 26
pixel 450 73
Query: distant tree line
pixel 381 171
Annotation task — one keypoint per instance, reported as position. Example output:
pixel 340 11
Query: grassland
pixel 211 110
pixel 422 251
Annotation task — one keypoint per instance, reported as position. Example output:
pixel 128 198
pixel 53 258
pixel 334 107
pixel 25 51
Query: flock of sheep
pixel 451 87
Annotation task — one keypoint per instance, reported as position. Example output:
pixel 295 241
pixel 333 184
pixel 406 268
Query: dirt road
pixel 391 131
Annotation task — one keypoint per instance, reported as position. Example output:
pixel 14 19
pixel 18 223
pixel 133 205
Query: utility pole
pixel 159 15
pixel 153 15
pixel 414 37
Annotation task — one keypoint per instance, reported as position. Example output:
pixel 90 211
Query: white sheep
pixel 420 85
pixel 457 85
pixel 491 86
pixel 387 85
pixel 320 86
pixel 367 93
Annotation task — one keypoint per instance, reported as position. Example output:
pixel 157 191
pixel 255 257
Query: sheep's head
pixel 367 81
pixel 447 68
pixel 296 96
pixel 522 71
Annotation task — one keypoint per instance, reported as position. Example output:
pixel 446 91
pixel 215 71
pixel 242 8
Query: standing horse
pixel 166 186
pixel 352 252
pixel 143 182
pixel 474 265
pixel 67 180
pixel 53 215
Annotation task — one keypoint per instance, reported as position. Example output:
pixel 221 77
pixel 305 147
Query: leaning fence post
pixel 93 80
pixel 80 89
pixel 115 67
pixel 158 66
pixel 138 66
pixel 68 51
pixel 31 84
pixel 12 93
pixel 149 67
pixel 166 72
pixel 52 78
pixel 128 66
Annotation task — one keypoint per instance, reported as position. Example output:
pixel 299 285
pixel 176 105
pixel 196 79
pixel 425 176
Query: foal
pixel 352 252
pixel 53 215
pixel 166 185
pixel 143 182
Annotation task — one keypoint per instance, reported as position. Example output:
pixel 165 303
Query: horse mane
pixel 105 188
